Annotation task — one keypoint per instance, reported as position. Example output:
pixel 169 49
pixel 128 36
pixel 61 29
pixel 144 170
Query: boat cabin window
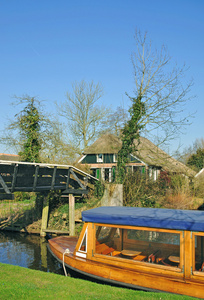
pixel 149 245
pixel 82 250
pixel 83 244
pixel 199 253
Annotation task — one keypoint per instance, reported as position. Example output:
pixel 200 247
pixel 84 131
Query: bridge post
pixel 71 215
pixel 45 213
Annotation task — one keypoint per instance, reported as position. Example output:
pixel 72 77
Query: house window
pixel 99 158
pixel 115 158
pixel 107 174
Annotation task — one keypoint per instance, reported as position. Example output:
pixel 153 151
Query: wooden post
pixel 45 212
pixel 43 252
pixel 71 215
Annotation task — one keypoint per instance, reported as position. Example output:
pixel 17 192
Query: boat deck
pixel 63 242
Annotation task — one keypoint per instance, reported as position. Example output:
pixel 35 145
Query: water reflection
pixel 29 251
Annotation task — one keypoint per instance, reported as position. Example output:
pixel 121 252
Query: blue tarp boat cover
pixel 192 220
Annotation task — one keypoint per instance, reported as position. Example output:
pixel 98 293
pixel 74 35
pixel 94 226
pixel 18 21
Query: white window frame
pixel 79 252
pixel 98 159
pixel 115 158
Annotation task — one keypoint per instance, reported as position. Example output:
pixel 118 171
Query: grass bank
pixel 21 283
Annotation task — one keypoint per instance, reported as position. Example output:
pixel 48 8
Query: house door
pixel 107 174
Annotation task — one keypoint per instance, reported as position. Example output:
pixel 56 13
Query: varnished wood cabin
pixel 143 248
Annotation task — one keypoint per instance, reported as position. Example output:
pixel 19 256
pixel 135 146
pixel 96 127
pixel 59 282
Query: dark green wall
pixel 89 159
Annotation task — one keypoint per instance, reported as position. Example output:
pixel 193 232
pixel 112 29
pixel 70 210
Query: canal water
pixel 29 251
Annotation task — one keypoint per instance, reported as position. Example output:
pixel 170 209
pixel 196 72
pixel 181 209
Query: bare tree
pixel 158 101
pixel 159 86
pixel 58 149
pixel 116 121
pixel 84 116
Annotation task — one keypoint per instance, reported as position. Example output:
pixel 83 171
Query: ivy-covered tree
pixel 130 134
pixel 36 135
pixel 29 122
pixel 27 131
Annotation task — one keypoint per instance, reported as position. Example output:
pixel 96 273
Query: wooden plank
pixel 39 189
pixel 28 183
pixel 56 231
pixel 14 178
pixel 71 215
pixel 188 259
pixel 35 178
pixel 61 243
pixel 77 179
pixel 75 192
pixel 5 187
pixel 45 213
pixel 53 178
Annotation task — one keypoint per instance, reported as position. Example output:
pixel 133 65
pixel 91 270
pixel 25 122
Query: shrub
pixel 169 191
pixel 138 191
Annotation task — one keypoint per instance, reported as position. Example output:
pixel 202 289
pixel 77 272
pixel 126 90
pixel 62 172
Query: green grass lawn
pixel 22 283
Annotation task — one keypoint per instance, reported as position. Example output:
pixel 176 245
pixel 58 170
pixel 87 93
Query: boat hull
pixel 99 278
pixel 116 275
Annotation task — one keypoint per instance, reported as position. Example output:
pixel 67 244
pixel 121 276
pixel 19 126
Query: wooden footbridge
pixel 38 177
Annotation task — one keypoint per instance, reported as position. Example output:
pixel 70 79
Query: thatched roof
pixel 153 155
pixel 106 144
pixel 148 152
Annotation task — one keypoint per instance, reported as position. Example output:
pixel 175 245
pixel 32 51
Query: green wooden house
pixel 148 159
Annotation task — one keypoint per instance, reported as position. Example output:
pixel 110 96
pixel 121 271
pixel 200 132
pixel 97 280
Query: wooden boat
pixel 143 248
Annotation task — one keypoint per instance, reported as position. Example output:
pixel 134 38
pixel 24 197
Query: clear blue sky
pixel 45 45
